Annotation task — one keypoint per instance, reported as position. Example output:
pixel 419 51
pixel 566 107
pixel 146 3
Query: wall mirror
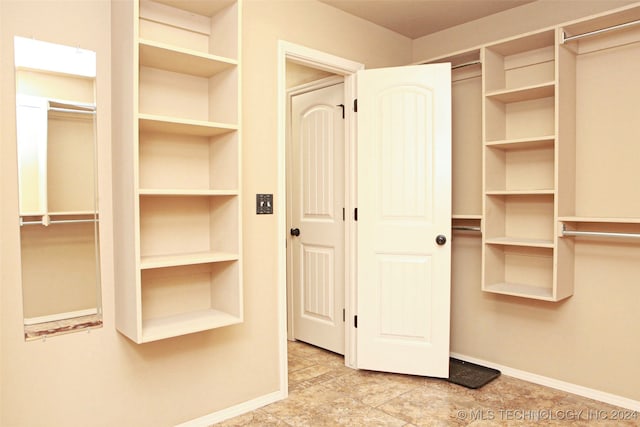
pixel 57 179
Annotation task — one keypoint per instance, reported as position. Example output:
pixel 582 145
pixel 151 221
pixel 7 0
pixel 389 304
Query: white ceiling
pixel 417 18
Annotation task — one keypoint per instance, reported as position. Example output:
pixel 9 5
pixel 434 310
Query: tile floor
pixel 323 392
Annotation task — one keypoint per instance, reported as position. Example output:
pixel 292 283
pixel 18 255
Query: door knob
pixel 441 239
pixel 295 231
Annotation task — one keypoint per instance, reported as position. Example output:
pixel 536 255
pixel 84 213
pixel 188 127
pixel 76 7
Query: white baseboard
pixel 234 411
pixel 590 393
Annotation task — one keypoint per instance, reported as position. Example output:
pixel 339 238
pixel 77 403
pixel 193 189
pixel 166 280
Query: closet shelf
pixel 174 125
pixel 204 8
pixel 545 141
pixel 513 241
pixel 543 90
pixel 474 217
pixel 185 192
pixel 521 290
pixel 161 261
pixel 185 323
pixel 186 61
pixel 520 192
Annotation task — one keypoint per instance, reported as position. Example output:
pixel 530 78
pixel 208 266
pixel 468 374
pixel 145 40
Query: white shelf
pixel 186 61
pixel 511 241
pixel 162 261
pixel 543 90
pixel 187 192
pixel 185 323
pixel 521 290
pixel 520 192
pixel 204 8
pixel 545 141
pixel 174 125
pixel 473 217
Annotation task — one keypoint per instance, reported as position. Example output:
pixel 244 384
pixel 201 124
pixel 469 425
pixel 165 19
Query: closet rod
pixel 595 32
pixel 575 233
pixel 70 110
pixel 58 221
pixel 466 64
pixel 465 228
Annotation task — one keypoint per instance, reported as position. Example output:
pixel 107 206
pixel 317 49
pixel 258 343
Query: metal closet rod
pixel 576 233
pixel 466 64
pixel 465 228
pixel 595 32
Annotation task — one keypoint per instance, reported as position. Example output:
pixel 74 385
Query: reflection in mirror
pixel 57 178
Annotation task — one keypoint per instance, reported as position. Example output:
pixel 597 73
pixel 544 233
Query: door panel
pixel 404 202
pixel 317 200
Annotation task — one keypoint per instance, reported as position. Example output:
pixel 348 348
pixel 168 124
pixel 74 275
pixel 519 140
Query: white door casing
pixel 317 202
pixel 404 203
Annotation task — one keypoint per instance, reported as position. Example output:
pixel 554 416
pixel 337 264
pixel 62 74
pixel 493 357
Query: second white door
pixel 317 224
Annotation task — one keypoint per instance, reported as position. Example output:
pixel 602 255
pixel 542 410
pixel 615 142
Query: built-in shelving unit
pixel 521 139
pixel 178 244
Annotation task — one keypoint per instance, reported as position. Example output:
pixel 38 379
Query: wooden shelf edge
pixel 535 142
pixel 179 192
pixel 545 192
pixel 477 217
pixel 162 261
pixel 177 125
pixel 526 93
pixel 166 57
pixel 527 243
pixel 521 290
pixel 186 323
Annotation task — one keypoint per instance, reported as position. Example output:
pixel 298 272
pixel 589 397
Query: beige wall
pixel 588 339
pixel 101 378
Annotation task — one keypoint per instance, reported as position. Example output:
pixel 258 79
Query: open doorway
pixel 316 200
pixel 312 65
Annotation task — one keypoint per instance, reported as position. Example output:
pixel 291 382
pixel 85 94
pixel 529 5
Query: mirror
pixel 57 179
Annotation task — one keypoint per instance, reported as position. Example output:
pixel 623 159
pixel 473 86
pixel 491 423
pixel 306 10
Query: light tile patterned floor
pixel 323 392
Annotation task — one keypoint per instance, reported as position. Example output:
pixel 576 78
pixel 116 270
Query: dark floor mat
pixel 469 374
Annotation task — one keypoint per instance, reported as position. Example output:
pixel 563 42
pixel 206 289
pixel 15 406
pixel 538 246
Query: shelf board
pixel 599 219
pixel 185 192
pixel 520 192
pixel 511 241
pixel 479 216
pixel 185 61
pixel 175 125
pixel 185 323
pixel 161 261
pixel 532 143
pixel 204 8
pixel 527 93
pixel 520 290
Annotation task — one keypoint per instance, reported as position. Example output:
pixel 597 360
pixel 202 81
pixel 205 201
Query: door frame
pixel 291 92
pixel 347 68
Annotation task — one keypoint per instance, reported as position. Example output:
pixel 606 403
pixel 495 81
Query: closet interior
pixel 545 151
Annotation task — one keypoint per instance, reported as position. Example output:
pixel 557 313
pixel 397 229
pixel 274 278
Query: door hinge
pixel 341 106
pixel 343 217
pixel 355 214
pixel 344 315
pixel 355 321
pixel 355 105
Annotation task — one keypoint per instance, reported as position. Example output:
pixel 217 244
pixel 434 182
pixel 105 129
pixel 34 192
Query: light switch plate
pixel 264 204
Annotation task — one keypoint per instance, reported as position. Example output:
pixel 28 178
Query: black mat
pixel 469 374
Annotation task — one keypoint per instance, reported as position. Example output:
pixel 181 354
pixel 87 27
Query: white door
pixel 404 204
pixel 317 223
